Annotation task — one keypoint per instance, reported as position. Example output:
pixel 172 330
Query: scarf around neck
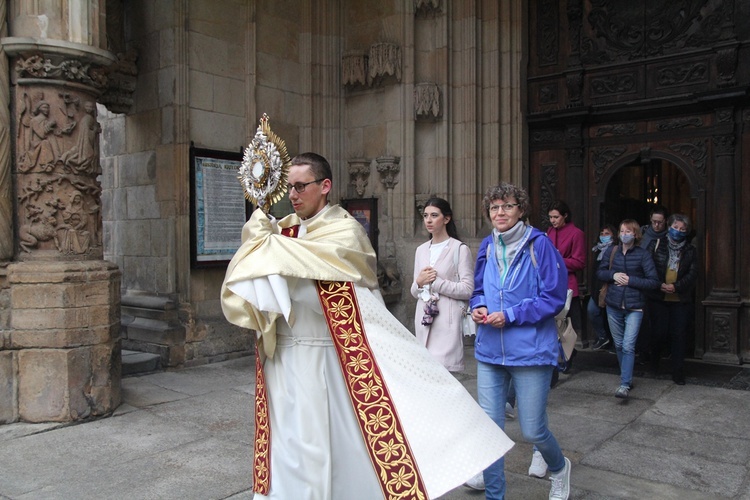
pixel 507 246
pixel 600 247
pixel 675 250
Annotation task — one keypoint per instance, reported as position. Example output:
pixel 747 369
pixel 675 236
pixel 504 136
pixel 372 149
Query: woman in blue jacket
pixel 520 284
pixel 631 274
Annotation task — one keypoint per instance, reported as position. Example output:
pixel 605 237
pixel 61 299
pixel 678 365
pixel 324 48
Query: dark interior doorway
pixel 635 189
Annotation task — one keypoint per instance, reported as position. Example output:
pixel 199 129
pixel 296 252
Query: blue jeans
pixel 531 384
pixel 596 316
pixel 624 325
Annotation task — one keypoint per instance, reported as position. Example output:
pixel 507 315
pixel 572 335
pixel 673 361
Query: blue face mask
pixel 627 238
pixel 676 234
pixel 605 239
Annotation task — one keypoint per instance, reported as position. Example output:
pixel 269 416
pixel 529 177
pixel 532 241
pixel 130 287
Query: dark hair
pixel 612 229
pixel 319 166
pixel 658 209
pixel 503 191
pixel 445 209
pixel 561 207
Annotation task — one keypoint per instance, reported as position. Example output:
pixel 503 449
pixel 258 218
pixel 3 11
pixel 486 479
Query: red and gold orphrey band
pixel 381 428
pixel 262 446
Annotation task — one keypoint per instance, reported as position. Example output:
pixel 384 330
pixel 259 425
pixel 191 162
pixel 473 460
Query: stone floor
pixel 187 434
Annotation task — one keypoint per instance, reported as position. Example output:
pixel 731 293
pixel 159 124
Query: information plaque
pixel 218 207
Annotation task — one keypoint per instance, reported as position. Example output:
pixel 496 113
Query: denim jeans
pixel 531 384
pixel 624 325
pixel 596 316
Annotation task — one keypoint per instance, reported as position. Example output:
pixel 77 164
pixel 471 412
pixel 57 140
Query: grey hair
pixel 681 218
pixel 503 191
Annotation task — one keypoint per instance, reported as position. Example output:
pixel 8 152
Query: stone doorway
pixel 633 190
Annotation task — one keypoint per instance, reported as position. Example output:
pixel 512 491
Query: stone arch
pixel 692 173
pixel 691 160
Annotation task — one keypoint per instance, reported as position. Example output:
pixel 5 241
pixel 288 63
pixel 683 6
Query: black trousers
pixel 669 326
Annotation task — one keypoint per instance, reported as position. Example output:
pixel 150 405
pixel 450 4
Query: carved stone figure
pixel 83 156
pixel 75 237
pixel 39 134
pixel 41 226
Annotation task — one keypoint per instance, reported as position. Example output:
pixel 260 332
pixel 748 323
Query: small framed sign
pixel 218 208
pixel 365 210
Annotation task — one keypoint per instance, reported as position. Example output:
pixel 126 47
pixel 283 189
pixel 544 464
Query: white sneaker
pixel 509 411
pixel 538 466
pixel 560 489
pixel 476 482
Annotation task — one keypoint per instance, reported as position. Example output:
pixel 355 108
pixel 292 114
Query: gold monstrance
pixel 264 169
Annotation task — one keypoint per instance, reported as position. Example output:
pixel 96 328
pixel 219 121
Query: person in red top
pixel 571 243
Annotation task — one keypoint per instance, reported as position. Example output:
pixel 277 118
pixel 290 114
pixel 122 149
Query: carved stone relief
pixel 575 20
pixel 59 208
pixel 549 187
pixel 116 83
pixel 427 8
pixel 677 123
pixel 574 83
pixel 388 168
pixel 547 136
pixel 624 83
pixel 721 332
pixel 420 200
pixel 354 69
pixel 724 145
pixel 359 175
pixel 617 31
pixel 695 151
pixel 603 158
pixel 682 74
pixel 616 129
pixel 121 80
pixel 724 115
pixel 71 70
pixel 427 101
pixel 384 60
pixel 548 94
pixel 548 32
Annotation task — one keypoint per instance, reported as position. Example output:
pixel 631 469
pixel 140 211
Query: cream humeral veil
pixel 335 249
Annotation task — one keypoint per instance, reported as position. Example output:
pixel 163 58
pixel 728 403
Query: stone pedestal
pixel 64 340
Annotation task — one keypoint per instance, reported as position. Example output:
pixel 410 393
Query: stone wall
pixel 61 357
pixel 191 88
pixel 420 82
pixel 8 361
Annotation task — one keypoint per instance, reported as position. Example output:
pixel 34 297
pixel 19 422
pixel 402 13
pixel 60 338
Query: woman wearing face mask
pixel 671 305
pixel 443 282
pixel 595 313
pixel 631 274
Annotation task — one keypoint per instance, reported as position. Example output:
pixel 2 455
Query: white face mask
pixel 626 238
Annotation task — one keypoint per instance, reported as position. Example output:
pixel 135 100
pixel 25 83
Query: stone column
pixel 723 298
pixel 388 167
pixel 64 298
